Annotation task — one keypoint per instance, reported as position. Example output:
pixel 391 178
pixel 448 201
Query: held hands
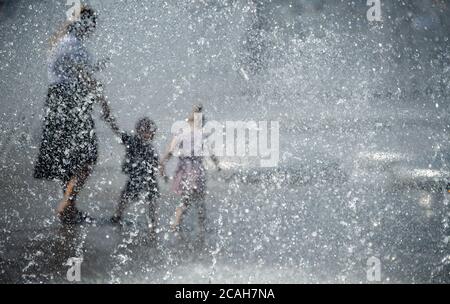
pixel 102 64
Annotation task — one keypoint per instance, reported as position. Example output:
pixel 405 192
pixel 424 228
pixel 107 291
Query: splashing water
pixel 364 141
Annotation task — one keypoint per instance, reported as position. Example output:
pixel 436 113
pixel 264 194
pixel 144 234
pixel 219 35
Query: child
pixel 190 176
pixel 141 166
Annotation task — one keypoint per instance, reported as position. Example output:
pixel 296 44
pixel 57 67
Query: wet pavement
pixel 310 222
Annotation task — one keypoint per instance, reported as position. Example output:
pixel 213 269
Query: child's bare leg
pixel 128 195
pixel 152 216
pixel 122 206
pixel 118 214
pixel 179 213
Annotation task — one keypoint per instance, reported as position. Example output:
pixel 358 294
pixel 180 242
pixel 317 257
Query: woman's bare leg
pixel 125 199
pixel 73 187
pixel 68 196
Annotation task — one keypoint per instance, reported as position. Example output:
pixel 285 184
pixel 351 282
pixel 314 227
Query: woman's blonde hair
pixel 64 29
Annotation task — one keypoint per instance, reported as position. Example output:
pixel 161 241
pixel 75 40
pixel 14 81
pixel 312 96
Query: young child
pixel 141 166
pixel 190 175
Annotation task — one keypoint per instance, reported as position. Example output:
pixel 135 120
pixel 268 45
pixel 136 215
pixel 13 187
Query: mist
pixel 363 153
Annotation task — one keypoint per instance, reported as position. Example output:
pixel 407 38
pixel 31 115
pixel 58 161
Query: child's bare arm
pixel 167 156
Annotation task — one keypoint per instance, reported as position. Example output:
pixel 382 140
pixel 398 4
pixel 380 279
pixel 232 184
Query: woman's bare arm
pixel 106 110
pixel 108 117
pixel 96 88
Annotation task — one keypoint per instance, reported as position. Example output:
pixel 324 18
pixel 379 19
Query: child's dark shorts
pixel 137 187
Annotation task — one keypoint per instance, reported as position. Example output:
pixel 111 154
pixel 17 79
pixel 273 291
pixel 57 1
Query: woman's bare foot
pixel 68 214
pixel 62 206
pixel 72 216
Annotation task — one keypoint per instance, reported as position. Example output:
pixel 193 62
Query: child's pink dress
pixel 190 175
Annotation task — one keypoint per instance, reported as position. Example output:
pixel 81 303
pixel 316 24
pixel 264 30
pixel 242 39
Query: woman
pixel 68 150
pixel 190 175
